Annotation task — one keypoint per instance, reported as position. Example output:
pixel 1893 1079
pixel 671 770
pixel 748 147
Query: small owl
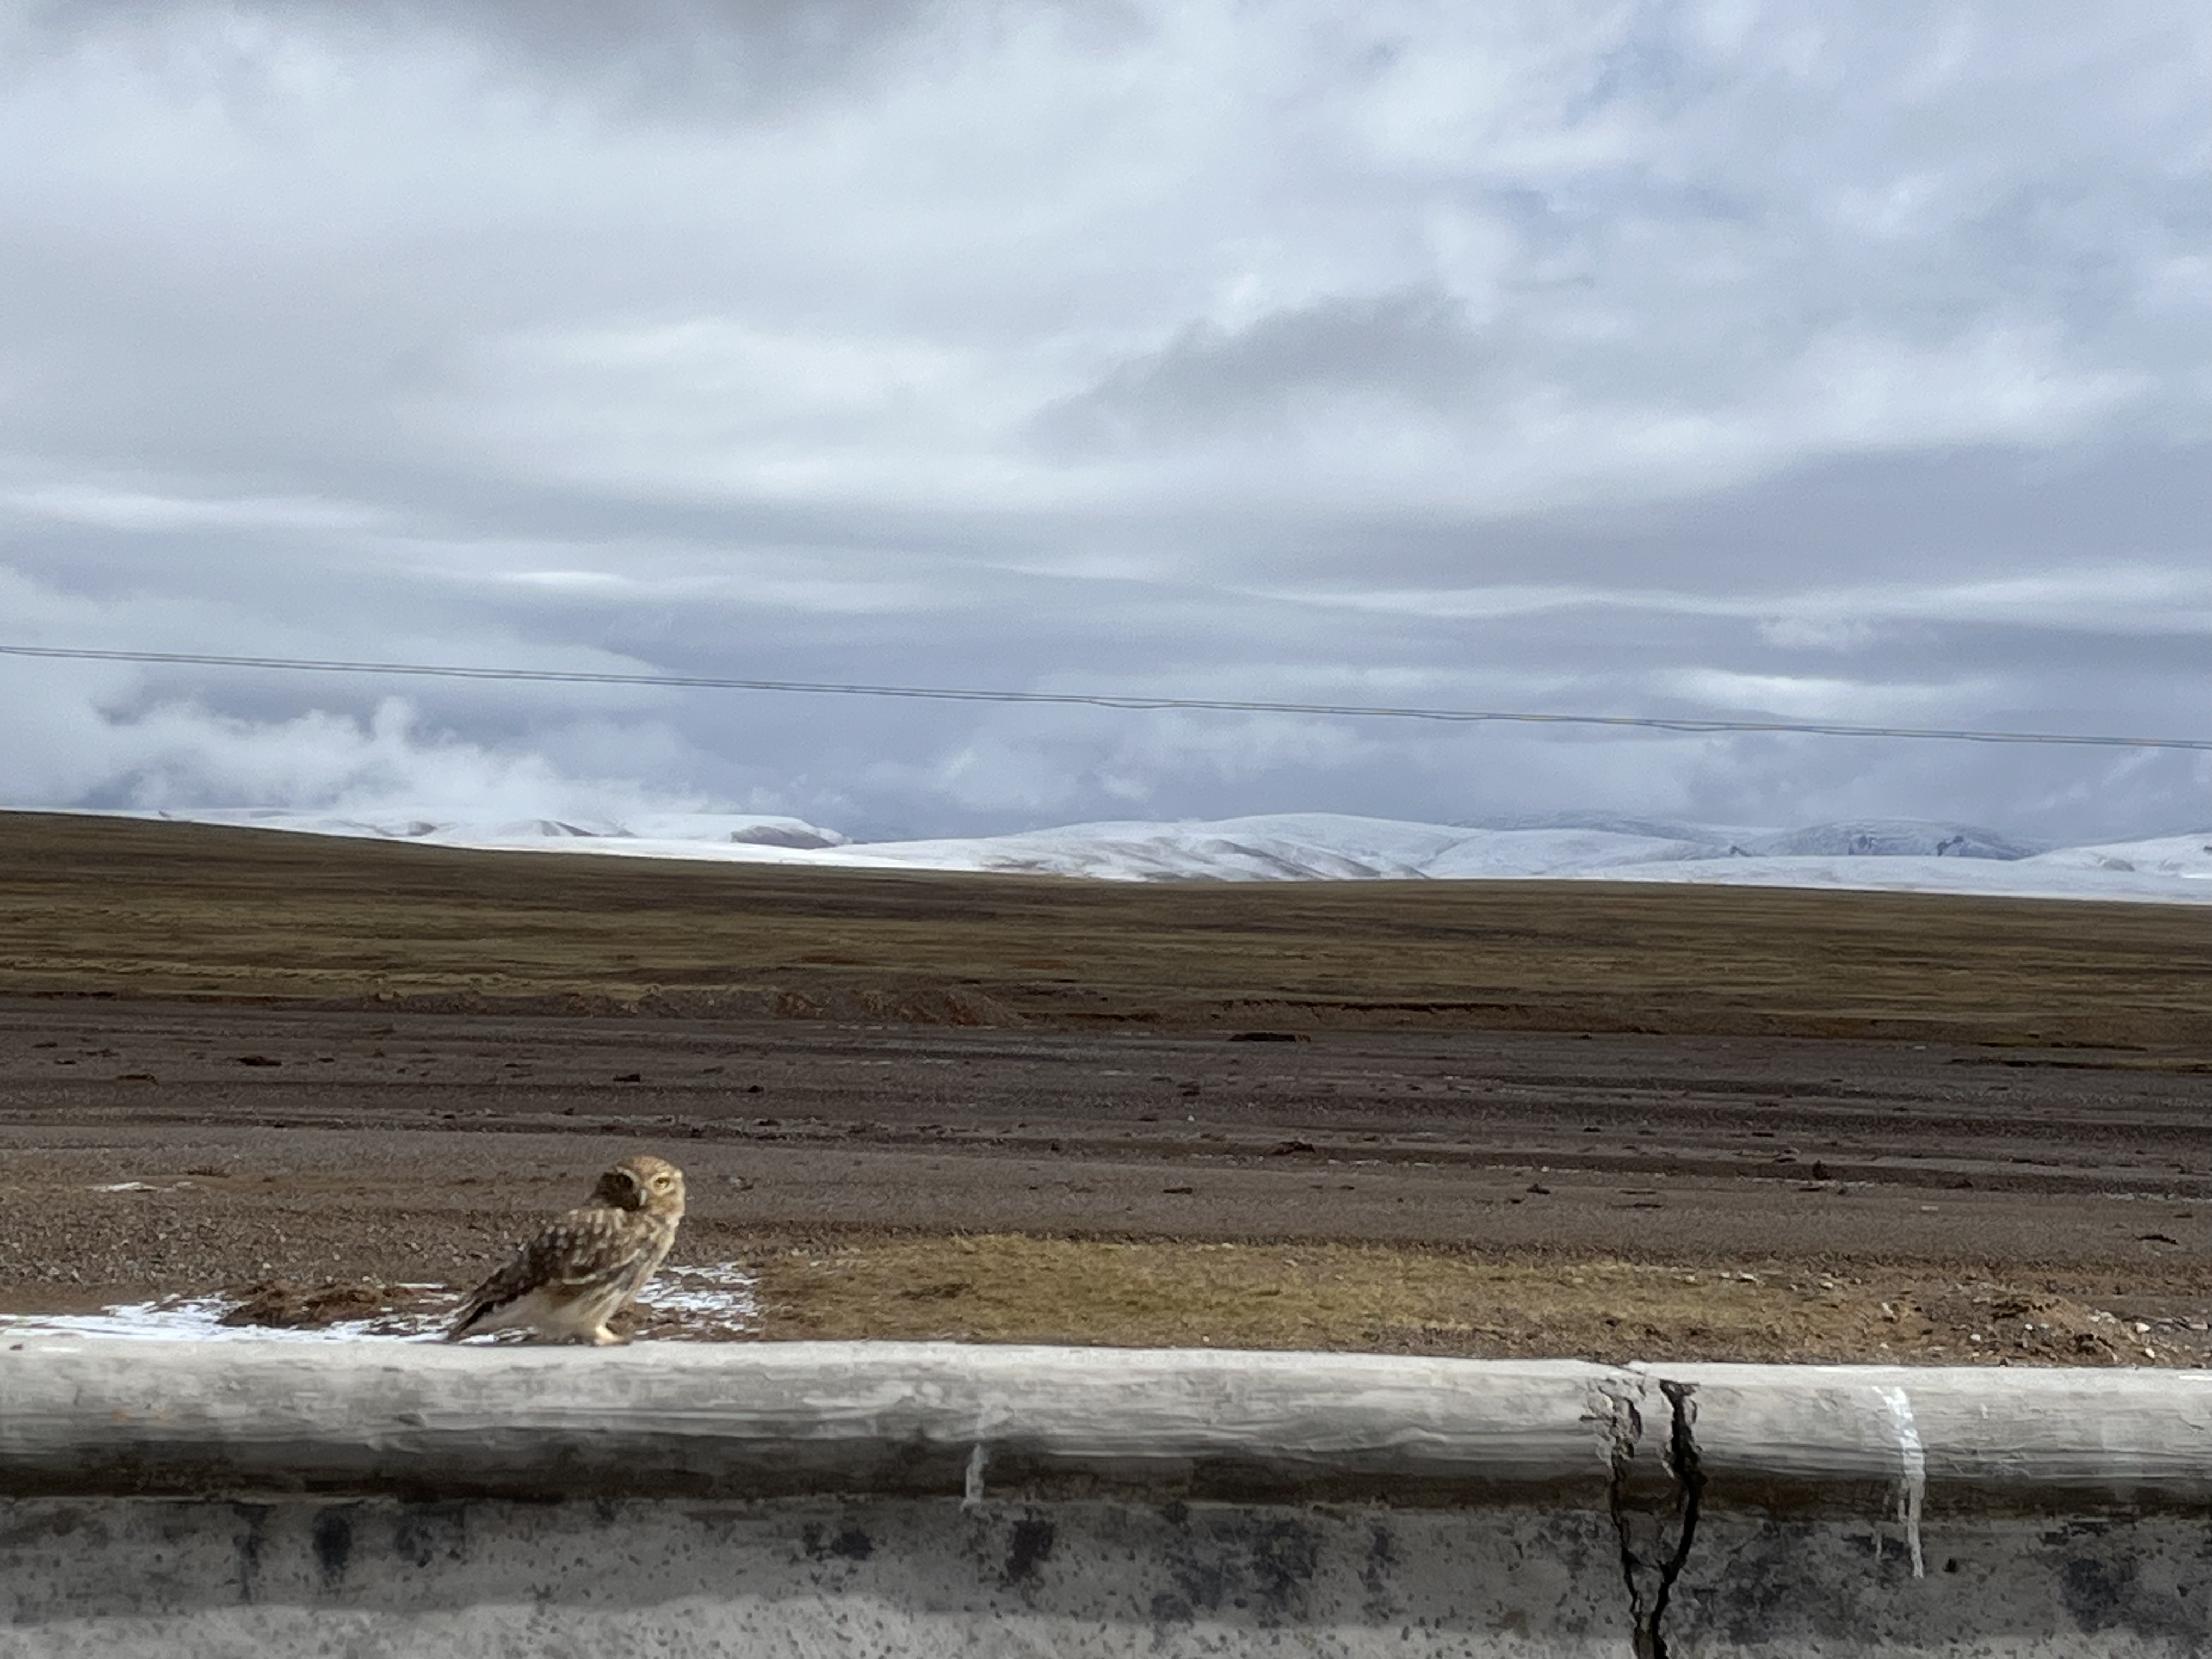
pixel 576 1274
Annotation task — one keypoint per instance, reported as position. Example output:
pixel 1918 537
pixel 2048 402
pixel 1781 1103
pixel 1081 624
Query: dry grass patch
pixel 1007 1288
pixel 109 906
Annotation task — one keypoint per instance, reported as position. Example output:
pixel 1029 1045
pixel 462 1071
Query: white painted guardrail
pixel 1501 1507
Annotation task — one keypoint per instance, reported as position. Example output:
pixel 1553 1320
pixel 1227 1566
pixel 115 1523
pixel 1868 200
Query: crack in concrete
pixel 1655 1504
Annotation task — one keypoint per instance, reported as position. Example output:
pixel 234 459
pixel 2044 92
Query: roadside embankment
pixel 927 1499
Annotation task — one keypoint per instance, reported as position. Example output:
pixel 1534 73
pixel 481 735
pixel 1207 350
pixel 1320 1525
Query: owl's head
pixel 643 1182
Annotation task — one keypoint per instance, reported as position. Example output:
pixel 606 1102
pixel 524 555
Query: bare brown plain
pixel 1498 1118
pixel 114 906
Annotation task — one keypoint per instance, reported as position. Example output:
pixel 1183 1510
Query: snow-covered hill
pixel 692 829
pixel 1902 856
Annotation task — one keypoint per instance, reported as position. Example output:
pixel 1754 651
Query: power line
pixel 1098 699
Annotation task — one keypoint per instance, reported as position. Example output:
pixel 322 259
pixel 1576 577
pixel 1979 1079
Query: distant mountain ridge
pixel 1845 838
pixel 1895 855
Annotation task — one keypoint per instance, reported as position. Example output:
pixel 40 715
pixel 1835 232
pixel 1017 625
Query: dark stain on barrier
pixel 2108 1575
pixel 1030 1543
pixel 33 1523
pixel 1284 1554
pixel 1893 1552
pixel 332 1534
pixel 1265 1566
pixel 425 1532
pixel 851 1545
pixel 2102 1583
pixel 1202 1582
pixel 1763 1597
pixel 2097 1590
pixel 247 1545
pixel 1374 1573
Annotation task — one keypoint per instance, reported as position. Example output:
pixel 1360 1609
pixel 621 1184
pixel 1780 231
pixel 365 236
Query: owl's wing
pixel 582 1251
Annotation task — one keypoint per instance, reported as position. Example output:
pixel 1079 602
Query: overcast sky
pixel 1817 360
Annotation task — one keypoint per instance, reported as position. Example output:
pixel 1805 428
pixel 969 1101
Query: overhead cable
pixel 1100 699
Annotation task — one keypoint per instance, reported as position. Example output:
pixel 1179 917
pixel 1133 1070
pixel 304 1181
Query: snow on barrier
pixel 845 1498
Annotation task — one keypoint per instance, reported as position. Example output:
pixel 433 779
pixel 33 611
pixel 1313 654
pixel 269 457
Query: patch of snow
pixel 445 831
pixel 2189 857
pixel 1885 838
pixel 1716 836
pixel 1509 852
pixel 712 1300
pixel 1986 878
pixel 199 1319
pixel 1284 846
pixel 718 1296
pixel 1879 854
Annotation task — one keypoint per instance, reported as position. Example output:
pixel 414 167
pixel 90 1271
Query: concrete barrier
pixel 931 1498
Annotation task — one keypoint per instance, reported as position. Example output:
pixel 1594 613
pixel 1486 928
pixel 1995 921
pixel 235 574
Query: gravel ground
pixel 154 1149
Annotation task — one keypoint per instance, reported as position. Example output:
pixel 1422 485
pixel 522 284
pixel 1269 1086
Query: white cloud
pixel 119 734
pixel 64 743
pixel 715 407
pixel 114 508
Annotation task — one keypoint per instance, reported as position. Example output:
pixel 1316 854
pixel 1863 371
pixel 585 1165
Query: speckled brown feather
pixel 582 1266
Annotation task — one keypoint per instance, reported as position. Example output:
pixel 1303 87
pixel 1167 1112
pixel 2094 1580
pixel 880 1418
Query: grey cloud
pixel 1961 512
pixel 645 57
pixel 1414 347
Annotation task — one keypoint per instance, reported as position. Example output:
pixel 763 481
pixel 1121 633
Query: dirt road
pixel 152 1147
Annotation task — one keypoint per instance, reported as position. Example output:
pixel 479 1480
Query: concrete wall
pixel 921 1498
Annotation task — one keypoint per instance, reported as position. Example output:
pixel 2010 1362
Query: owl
pixel 569 1280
